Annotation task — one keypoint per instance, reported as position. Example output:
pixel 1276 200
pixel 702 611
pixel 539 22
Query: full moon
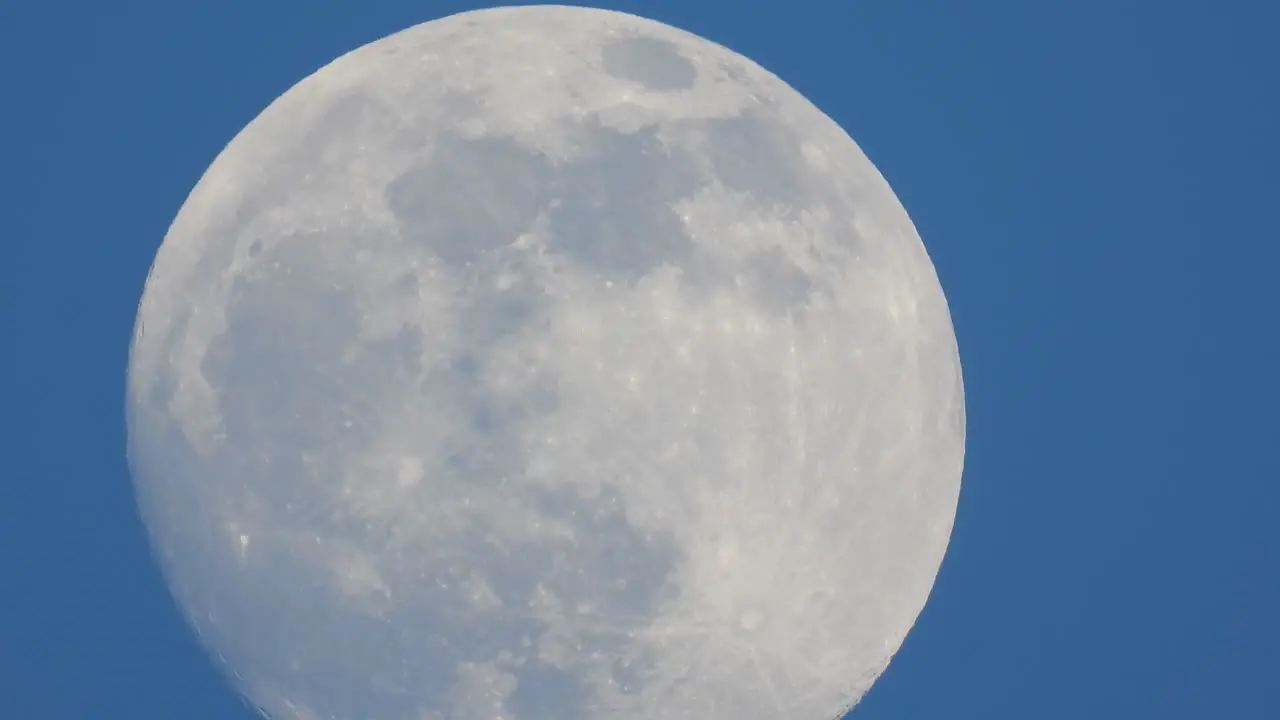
pixel 546 363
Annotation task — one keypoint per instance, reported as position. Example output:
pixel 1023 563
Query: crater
pixel 649 62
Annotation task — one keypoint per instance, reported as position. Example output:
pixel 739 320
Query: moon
pixel 546 363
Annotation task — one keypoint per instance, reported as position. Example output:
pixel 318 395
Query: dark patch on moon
pixel 280 354
pixel 607 565
pixel 615 212
pixel 546 693
pixel 408 285
pixel 620 573
pixel 776 284
pixel 649 62
pixel 487 314
pixel 755 154
pixel 486 317
pixel 610 211
pixel 293 377
pixel 629 673
pixel 473 196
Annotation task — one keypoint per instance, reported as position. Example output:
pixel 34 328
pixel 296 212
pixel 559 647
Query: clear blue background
pixel 1096 181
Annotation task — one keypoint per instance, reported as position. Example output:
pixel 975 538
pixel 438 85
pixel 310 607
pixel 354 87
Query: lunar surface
pixel 546 364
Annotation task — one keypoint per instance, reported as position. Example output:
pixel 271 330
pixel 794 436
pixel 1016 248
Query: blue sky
pixel 1095 181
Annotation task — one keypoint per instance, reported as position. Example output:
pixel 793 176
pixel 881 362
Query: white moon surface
pixel 546 363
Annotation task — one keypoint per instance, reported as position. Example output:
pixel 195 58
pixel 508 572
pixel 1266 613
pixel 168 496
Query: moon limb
pixel 600 378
